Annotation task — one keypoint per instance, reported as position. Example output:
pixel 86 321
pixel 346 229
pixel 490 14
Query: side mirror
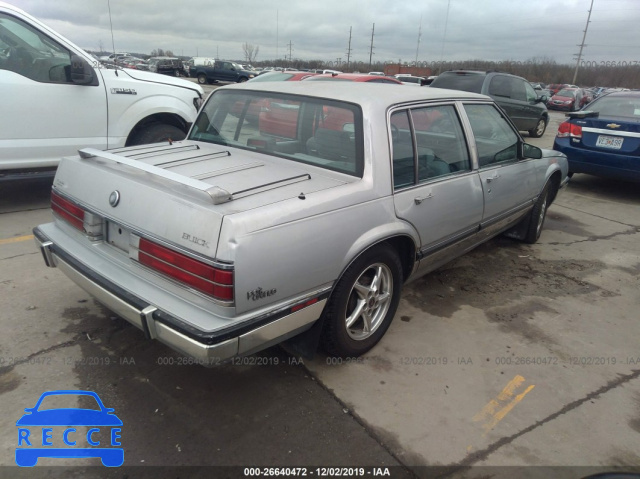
pixel 81 72
pixel 543 99
pixel 530 151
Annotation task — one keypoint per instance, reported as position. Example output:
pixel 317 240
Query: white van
pixel 56 99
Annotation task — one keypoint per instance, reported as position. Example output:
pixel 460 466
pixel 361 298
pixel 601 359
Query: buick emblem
pixel 114 198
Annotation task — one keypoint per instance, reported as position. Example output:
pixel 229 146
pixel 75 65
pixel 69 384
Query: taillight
pixel 569 130
pixel 201 276
pixel 76 216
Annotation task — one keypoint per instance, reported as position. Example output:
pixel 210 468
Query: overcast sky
pixel 494 30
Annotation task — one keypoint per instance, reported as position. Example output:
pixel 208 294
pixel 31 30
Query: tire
pixel 177 73
pixel 538 215
pixel 156 133
pixel 377 304
pixel 540 128
pixel 202 79
pixel 242 79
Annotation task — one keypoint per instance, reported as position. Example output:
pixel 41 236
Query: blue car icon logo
pixel 59 428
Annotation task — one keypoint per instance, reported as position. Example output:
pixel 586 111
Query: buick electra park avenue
pixel 302 224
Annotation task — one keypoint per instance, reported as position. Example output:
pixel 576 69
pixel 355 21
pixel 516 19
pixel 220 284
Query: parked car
pixel 569 99
pixel 604 139
pixel 556 87
pixel 282 76
pixel 56 98
pixel 136 64
pixel 514 94
pixel 411 80
pixel 356 77
pixel 221 71
pixel 167 66
pixel 262 239
pixel 376 73
pixel 115 58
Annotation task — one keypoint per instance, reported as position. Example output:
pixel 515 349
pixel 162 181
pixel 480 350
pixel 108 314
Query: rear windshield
pixel 566 93
pixel 273 76
pixel 470 82
pixel 315 131
pixel 614 105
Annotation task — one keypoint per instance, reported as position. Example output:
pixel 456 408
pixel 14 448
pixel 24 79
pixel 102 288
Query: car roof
pixel 366 94
pixel 357 77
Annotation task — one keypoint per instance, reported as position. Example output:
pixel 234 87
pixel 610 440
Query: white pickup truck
pixel 56 99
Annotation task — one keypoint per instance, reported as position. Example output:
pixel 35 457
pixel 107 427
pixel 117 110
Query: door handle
pixel 494 177
pixel 420 199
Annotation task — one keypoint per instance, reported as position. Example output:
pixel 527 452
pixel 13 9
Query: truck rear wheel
pixel 157 133
pixel 202 79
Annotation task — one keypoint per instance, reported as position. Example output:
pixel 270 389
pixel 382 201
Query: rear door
pixel 435 188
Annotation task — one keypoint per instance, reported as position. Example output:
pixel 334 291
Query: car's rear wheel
pixel 202 79
pixel 540 128
pixel 363 303
pixel 538 215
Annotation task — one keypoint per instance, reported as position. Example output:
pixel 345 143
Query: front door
pixel 509 183
pixel 44 115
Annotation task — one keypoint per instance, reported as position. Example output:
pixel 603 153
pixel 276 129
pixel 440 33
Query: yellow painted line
pixel 496 409
pixel 17 239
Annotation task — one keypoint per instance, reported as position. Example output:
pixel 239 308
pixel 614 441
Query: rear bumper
pixel 598 163
pixel 209 348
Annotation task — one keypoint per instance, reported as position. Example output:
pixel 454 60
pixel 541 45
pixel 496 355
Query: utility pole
pixel 371 48
pixel 419 35
pixel 277 36
pixel 290 45
pixel 582 45
pixel 349 49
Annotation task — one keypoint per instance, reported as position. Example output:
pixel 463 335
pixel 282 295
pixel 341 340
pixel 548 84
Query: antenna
pixel 113 44
pixel 444 36
pixel 349 49
pixel 419 35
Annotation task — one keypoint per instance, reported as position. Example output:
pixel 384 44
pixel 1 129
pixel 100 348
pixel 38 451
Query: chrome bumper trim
pixel 263 336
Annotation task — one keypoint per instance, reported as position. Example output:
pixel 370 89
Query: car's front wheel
pixel 540 128
pixel 363 303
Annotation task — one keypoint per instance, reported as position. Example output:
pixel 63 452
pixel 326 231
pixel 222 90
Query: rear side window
pixel 427 143
pixel 471 82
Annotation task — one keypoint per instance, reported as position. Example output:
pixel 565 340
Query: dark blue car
pixel 604 140
pixel 29 450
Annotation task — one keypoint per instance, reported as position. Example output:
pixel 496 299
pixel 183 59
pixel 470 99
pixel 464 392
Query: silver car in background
pixel 294 209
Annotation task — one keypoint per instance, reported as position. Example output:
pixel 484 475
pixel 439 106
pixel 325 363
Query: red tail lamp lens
pixel 201 276
pixel 67 210
pixel 568 129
